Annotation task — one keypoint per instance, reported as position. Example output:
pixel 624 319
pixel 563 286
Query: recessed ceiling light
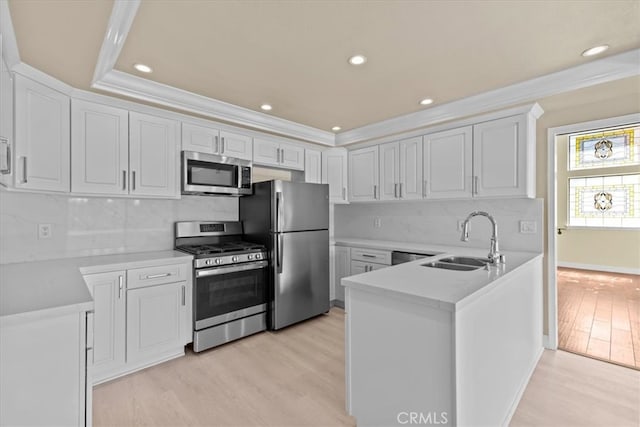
pixel 142 68
pixel 336 128
pixel 426 101
pixel 595 50
pixel 266 107
pixel 357 60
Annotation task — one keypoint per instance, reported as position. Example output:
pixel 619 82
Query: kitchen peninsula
pixel 444 346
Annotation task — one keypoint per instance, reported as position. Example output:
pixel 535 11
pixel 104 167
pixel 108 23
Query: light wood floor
pixel 599 315
pixel 295 377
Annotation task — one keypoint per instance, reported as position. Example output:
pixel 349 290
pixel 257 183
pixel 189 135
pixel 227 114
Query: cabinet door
pixel 313 166
pixel 499 157
pixel 358 267
pixel 153 155
pixel 410 168
pixel 291 156
pixel 42 129
pixel 100 148
pixel 155 321
pixel 363 174
pixel 108 292
pixel 200 138
pixel 447 164
pixel 389 174
pixel 343 269
pixel 6 125
pixel 236 145
pixel 334 173
pixel 266 152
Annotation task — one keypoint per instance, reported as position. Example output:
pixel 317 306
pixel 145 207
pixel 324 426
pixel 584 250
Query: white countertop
pixel 446 289
pixel 35 289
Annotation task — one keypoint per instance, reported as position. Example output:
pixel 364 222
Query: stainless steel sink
pixel 458 263
pixel 451 266
pixel 466 260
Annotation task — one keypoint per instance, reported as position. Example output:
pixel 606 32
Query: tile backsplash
pixel 436 222
pixel 82 226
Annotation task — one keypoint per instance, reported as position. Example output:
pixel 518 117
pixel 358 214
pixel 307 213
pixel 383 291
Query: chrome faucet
pixel 495 257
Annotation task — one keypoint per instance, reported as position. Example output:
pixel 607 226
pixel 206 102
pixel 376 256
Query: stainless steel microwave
pixel 210 174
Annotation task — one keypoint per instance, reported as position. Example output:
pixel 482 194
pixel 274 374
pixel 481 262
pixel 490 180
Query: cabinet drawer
pixel 358 267
pixel 371 255
pixel 149 276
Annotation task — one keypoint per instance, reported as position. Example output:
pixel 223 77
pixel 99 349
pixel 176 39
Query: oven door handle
pixel 231 269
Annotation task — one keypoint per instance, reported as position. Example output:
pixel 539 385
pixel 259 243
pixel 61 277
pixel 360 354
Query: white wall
pixel 436 222
pixel 83 226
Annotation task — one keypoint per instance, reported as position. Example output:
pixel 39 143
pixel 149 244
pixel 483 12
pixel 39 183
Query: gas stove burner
pixel 220 248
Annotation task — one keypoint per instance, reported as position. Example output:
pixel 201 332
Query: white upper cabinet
pixel 153 155
pixel 448 163
pixel 389 173
pixel 200 138
pixel 502 165
pixel 275 153
pixel 236 145
pixel 99 148
pixel 42 141
pixel 334 173
pixel 363 174
pixel 313 166
pixel 206 139
pixel 410 171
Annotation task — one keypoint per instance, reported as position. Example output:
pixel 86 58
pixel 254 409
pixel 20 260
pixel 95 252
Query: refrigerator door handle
pixel 279 254
pixel 279 214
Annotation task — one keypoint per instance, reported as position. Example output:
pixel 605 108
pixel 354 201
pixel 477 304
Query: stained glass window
pixel 605 148
pixel 605 201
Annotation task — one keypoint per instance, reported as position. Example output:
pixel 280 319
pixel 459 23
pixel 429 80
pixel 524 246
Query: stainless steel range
pixel 230 281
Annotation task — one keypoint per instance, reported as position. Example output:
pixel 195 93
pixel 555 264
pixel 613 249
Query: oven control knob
pixel 258 256
pixel 250 256
pixel 207 262
pixel 234 259
pixel 218 261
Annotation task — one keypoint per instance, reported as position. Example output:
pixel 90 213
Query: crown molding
pixel 604 70
pixel 8 43
pixel 122 16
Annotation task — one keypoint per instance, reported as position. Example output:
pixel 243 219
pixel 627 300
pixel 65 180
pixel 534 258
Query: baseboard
pixel 606 268
pixel 523 387
pixel 337 303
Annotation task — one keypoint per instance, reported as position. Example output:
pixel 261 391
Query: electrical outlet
pixel 460 224
pixel 44 231
pixel 528 227
pixel 377 222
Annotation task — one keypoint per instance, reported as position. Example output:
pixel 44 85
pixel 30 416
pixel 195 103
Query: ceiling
pixel 293 54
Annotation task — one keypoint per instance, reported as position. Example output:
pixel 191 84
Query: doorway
pixel 593 236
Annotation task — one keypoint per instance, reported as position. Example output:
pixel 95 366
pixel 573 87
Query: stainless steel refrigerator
pixel 292 220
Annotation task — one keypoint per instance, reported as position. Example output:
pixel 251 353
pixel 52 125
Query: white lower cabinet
pixel 155 321
pixel 342 269
pixel 43 371
pixel 142 317
pixel 109 299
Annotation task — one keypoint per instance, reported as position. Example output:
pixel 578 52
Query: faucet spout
pixel 494 255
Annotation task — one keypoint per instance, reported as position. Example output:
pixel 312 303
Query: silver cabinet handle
pixel 366 268
pixel 124 179
pixel 133 181
pixel 424 188
pixel 395 190
pixel 344 193
pixel 217 145
pixel 368 256
pixel 7 166
pixel 24 169
pixel 156 276
pixel 400 190
pixel 375 191
pixel 278 156
pixel 120 286
pixel 183 295
pixel 222 145
pixel 475 185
